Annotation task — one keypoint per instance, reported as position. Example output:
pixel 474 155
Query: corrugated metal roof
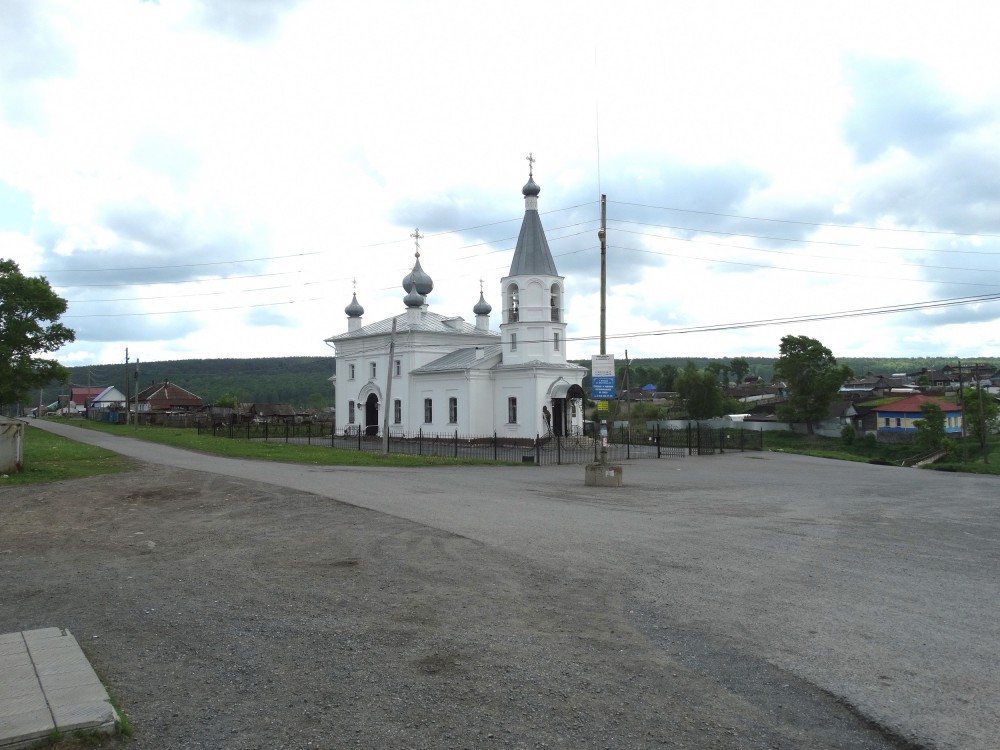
pixel 461 359
pixel 429 322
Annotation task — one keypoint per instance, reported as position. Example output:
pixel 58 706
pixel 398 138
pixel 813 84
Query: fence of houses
pixel 624 443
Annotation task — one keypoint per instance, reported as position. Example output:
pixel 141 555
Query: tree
pixel 980 414
pixel 740 368
pixel 29 315
pixel 667 378
pixel 700 391
pixel 813 378
pixel 930 429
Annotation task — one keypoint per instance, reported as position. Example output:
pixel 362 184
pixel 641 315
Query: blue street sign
pixel 602 387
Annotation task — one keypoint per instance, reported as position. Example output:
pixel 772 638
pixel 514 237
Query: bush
pixel 847 435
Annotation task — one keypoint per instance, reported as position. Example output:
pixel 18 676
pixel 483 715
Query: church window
pixel 371 369
pixel 399 368
pixel 512 410
pixel 350 372
pixel 428 411
pixel 397 411
pixel 554 303
pixel 555 341
pixel 350 411
pixel 513 342
pixel 452 410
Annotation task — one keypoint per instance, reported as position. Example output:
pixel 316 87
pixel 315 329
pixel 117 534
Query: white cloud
pixel 317 135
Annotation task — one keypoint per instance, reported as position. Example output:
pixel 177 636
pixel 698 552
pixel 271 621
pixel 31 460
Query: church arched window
pixel 555 302
pixel 513 304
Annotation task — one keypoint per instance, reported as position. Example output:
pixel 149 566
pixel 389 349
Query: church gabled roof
pixel 532 255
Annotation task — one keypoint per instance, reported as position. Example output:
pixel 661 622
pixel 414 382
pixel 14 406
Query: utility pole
pixel 388 388
pixel 136 393
pixel 982 424
pixel 602 235
pixel 126 386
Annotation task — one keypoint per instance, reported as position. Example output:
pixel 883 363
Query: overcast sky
pixel 212 178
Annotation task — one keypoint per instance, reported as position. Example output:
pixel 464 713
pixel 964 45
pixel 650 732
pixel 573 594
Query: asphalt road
pixel 877 585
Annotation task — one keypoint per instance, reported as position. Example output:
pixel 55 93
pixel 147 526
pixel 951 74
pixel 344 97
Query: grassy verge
pixel 50 458
pixel 317 455
pixel 884 453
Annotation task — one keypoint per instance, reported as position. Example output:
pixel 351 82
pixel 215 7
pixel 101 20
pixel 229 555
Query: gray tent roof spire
pixel 532 255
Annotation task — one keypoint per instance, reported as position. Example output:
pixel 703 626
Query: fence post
pixel 659 453
pixel 627 433
pixel 420 441
pixel 286 432
pixel 456 443
pixel 538 457
pixel 762 437
pixel 494 445
pixel 558 450
pixel 266 430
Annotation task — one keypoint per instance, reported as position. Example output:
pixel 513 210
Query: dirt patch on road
pixel 236 614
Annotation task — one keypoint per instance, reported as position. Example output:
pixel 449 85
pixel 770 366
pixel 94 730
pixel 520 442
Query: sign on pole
pixel 602 376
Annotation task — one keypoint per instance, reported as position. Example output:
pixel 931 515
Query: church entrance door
pixel 559 416
pixel 371 414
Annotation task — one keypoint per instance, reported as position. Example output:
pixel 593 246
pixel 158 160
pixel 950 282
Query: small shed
pixel 11 445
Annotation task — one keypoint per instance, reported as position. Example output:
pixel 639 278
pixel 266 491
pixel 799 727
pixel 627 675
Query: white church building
pixel 438 374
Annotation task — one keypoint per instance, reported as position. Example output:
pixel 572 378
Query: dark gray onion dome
pixel 482 307
pixel 354 310
pixel 424 283
pixel 413 298
pixel 530 188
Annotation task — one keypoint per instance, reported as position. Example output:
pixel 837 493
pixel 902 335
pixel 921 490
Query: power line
pixel 807 223
pixel 700 230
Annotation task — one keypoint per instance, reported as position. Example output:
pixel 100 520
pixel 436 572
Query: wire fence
pixel 624 443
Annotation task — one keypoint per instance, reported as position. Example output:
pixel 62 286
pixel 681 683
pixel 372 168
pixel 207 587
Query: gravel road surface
pixel 752 600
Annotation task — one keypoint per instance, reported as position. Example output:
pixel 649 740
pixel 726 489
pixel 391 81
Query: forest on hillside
pixel 304 382
pixel 300 381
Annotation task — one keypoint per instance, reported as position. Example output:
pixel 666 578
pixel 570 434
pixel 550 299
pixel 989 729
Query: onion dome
pixel 419 277
pixel 413 298
pixel 482 307
pixel 354 310
pixel 530 188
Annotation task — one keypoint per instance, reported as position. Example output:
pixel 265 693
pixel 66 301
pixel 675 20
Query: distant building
pixel 900 416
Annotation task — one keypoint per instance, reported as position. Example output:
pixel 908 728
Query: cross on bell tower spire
pixel 416 240
pixel 531 164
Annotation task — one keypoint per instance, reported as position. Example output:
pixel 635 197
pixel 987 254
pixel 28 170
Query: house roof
pixel 80 393
pixel 430 322
pixel 169 394
pixel 107 392
pixel 912 404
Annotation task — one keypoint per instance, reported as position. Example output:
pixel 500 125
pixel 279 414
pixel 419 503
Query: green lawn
pixel 966 455
pixel 50 458
pixel 316 455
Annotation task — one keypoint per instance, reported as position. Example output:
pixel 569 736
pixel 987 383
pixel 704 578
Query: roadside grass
pixel 315 455
pixel 51 458
pixel 966 451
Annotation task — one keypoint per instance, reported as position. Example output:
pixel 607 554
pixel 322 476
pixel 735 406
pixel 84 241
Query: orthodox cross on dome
pixel 531 164
pixel 480 286
pixel 354 281
pixel 416 240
